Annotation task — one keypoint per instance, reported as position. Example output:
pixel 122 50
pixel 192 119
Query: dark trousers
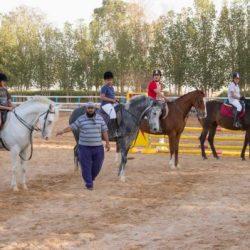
pixel 91 160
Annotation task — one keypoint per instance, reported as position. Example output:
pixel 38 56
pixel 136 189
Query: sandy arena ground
pixel 205 205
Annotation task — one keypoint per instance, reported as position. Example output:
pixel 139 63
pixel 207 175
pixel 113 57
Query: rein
pixel 142 114
pixel 31 128
pixel 138 121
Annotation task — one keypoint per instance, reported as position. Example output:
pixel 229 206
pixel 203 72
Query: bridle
pixel 197 110
pixel 140 118
pixel 142 114
pixel 31 128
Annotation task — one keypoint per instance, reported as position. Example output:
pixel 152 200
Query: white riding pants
pixel 236 103
pixel 110 110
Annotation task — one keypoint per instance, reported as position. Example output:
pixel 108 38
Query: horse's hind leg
pixel 202 142
pixel 210 139
pixel 14 155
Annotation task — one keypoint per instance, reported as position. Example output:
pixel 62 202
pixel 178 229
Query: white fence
pixel 69 103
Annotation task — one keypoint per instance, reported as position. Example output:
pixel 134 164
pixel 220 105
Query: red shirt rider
pixel 155 87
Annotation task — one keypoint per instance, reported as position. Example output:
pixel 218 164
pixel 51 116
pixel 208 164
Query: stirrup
pixel 237 124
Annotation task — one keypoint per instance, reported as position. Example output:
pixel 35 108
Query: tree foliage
pixel 196 47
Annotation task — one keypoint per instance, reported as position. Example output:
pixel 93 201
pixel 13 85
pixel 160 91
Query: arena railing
pixel 66 103
pixel 69 103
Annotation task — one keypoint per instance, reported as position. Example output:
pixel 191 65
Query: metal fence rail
pixel 69 103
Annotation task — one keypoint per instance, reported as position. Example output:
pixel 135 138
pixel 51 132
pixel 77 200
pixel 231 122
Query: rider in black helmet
pixel 109 101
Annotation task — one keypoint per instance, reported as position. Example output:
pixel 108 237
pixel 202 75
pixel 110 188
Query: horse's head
pixel 47 121
pixel 153 114
pixel 199 102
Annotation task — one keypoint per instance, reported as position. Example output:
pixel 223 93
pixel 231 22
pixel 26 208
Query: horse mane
pixel 135 100
pixel 36 99
pixel 41 99
pixel 183 96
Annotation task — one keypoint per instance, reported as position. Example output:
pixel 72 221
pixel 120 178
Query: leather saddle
pixel 227 109
pixel 118 109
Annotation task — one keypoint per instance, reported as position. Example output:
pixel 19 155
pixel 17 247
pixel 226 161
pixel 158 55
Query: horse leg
pixel 117 153
pixel 243 151
pixel 23 169
pixel 124 153
pixel 211 141
pixel 171 139
pixel 14 155
pixel 202 138
pixel 177 140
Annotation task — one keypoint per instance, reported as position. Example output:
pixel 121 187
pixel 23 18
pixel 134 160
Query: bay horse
pixel 175 122
pixel 37 113
pixel 131 113
pixel 215 118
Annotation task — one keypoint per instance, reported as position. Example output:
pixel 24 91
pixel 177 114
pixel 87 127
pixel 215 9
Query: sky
pixel 59 11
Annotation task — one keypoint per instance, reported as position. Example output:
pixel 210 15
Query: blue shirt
pixel 109 92
pixel 90 129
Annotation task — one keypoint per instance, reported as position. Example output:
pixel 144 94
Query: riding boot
pixel 237 123
pixel 114 127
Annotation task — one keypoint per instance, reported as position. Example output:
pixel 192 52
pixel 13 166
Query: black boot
pixel 114 128
pixel 237 123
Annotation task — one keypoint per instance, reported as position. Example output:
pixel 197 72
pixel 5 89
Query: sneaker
pixel 89 188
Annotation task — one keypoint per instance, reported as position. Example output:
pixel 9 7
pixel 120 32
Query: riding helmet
pixel 108 75
pixel 156 72
pixel 236 75
pixel 3 77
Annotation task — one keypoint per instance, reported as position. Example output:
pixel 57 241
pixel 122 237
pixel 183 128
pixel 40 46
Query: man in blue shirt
pixel 92 128
pixel 108 102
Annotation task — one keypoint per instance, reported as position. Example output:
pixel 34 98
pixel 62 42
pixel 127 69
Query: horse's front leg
pixel 14 154
pixel 202 142
pixel 210 139
pixel 23 168
pixel 124 153
pixel 243 151
pixel 171 139
pixel 177 140
pixel 118 153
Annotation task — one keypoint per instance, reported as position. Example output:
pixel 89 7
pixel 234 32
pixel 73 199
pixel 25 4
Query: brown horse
pixel 175 122
pixel 215 118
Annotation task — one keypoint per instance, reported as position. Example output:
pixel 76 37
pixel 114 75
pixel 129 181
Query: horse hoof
pixel 123 178
pixel 243 158
pixel 172 167
pixel 25 187
pixel 178 166
pixel 204 158
pixel 217 157
pixel 15 189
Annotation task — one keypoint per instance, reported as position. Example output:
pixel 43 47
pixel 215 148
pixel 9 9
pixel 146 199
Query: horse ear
pixel 29 98
pixel 51 107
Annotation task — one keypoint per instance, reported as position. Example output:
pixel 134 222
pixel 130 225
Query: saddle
pixel 226 109
pixel 118 109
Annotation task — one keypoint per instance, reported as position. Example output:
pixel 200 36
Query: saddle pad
pixel 227 110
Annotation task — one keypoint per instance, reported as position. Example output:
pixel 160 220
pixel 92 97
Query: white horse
pixel 37 113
